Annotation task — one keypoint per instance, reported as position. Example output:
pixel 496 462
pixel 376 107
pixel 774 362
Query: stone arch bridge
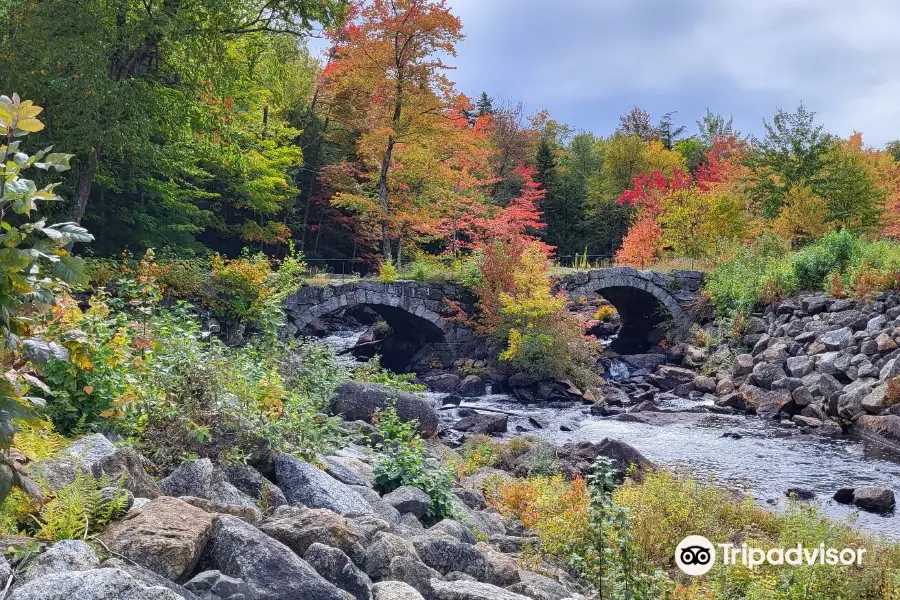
pixel 418 310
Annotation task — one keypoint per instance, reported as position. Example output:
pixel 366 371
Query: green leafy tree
pixel 794 151
pixel 34 259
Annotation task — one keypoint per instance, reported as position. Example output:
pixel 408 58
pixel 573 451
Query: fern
pixel 37 440
pixel 80 509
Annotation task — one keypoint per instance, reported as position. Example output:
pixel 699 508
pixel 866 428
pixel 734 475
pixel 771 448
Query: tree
pixel 804 215
pixel 713 126
pixel 666 131
pixel 793 152
pixel 637 122
pixel 642 244
pixel 389 72
pixel 485 105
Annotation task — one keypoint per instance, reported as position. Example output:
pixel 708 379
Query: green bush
pixel 401 460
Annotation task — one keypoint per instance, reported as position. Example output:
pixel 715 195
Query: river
pixel 762 458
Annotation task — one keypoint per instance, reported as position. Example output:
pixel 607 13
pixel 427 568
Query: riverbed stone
pixel 299 527
pixel 94 584
pixel 742 365
pixel 472 386
pixel 166 536
pixel 359 402
pixel 799 366
pixel 409 499
pixel 483 423
pixel 336 567
pixel 270 568
pixel 667 377
pixel 765 374
pixel 472 590
pixel 304 484
pixel 445 554
pixel 63 556
pixel 873 498
pixel 395 590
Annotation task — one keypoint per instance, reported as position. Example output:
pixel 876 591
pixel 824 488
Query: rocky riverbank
pixel 292 529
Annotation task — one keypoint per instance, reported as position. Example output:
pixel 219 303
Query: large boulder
pixel 872 498
pixel 472 590
pixel 446 554
pixel 302 483
pixel 454 529
pixel 883 428
pixel 472 387
pixel 385 547
pixel 148 578
pixel 765 374
pixel 395 590
pixel 166 536
pixel 96 455
pixel 298 528
pixel 209 585
pixel 414 573
pixel 95 584
pixel 336 567
pixel 539 587
pixel 270 568
pixel 579 457
pixel 359 401
pixel 483 423
pixel 67 555
pixel 409 499
pixel 502 569
pixel 200 479
pixel 742 365
pixel 251 482
pixel 667 377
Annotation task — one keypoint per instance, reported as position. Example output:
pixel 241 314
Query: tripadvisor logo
pixel 696 555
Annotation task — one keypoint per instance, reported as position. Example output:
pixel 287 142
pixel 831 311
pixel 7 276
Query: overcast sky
pixel 588 61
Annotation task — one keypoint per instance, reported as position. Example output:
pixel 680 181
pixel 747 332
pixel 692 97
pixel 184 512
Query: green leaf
pixel 70 269
pixel 13 259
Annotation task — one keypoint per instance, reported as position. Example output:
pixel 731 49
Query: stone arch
pixel 645 301
pixel 414 310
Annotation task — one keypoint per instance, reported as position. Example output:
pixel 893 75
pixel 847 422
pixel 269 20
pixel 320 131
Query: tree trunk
pixel 83 187
pixel 383 198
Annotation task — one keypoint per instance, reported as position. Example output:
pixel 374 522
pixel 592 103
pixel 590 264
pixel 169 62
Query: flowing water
pixel 747 453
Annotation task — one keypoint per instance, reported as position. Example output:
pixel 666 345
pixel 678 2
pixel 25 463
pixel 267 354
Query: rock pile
pixel 230 533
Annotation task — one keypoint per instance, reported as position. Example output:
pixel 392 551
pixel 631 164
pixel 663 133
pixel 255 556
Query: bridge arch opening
pixel 647 308
pixel 397 333
pixel 644 319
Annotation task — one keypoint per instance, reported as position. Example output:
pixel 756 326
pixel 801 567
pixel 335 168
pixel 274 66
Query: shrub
pixel 240 291
pixel 388 272
pixel 479 451
pixel 401 460
pixel 372 372
pixel 605 313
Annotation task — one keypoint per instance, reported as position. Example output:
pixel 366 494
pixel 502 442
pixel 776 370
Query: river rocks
pixel 883 427
pixel 885 343
pixel 442 383
pixel 210 585
pixel 765 374
pixel 539 587
pixel 409 499
pixel 483 423
pixel 166 536
pixel 472 387
pixel 849 403
pixel 336 567
pixel 383 549
pixel 359 401
pixel 200 479
pixel 298 528
pixel 414 573
pixel 502 570
pixel 445 554
pixel 454 529
pixel 67 555
pixel 705 384
pixel 742 365
pixel 472 590
pixel 395 590
pixel 302 483
pixel 799 366
pixel 667 377
pixel 94 584
pixel 837 339
pixel 871 498
pixel 251 482
pixel 873 403
pixel 269 567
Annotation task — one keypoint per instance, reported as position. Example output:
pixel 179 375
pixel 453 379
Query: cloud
pixel 588 61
